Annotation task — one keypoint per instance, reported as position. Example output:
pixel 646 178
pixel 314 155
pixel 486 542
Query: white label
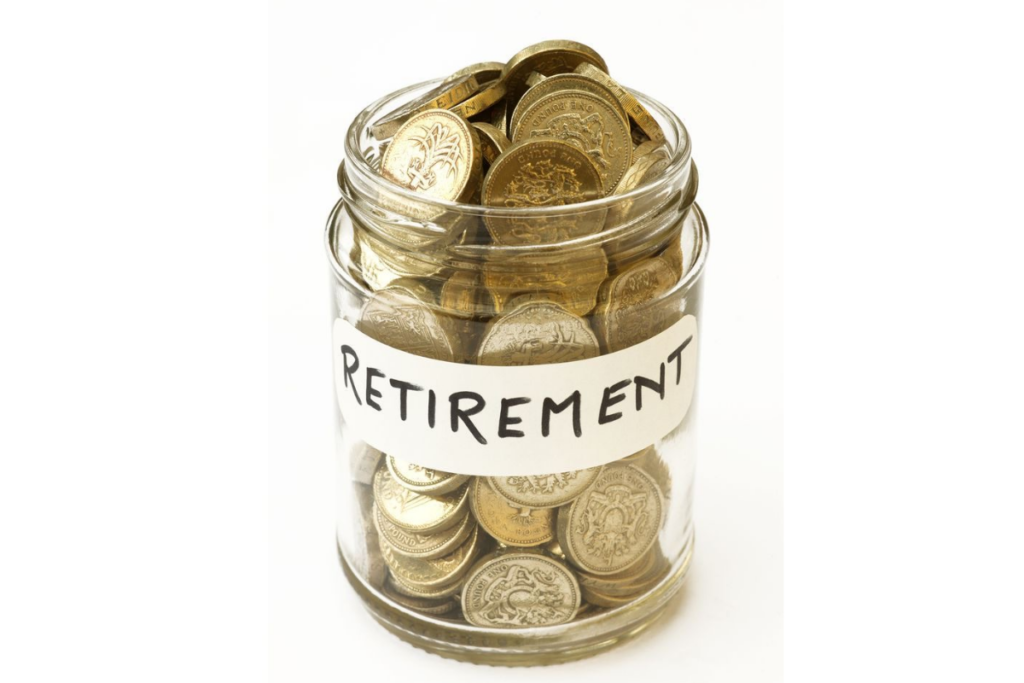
pixel 536 419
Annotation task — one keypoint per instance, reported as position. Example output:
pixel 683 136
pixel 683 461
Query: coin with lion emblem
pixel 520 590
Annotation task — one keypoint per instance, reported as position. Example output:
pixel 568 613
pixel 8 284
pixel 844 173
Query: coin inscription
pixel 544 490
pixel 537 333
pixel 518 590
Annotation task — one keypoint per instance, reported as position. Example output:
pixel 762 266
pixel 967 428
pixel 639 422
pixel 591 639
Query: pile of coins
pixel 513 552
pixel 548 128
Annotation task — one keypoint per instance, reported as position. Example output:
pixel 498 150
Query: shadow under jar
pixel 515 424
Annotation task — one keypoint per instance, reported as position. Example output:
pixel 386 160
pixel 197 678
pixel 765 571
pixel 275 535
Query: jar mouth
pixel 359 142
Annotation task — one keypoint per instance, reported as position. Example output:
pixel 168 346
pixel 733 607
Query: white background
pixel 135 402
pixel 719 66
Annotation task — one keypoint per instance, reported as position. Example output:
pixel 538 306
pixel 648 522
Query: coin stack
pixel 548 128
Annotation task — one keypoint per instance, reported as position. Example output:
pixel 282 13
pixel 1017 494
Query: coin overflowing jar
pixel 516 266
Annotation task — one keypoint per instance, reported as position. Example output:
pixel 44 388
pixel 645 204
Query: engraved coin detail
pixel 549 173
pixel 636 111
pixel 628 311
pixel 546 58
pixel 519 590
pixel 492 141
pixel 397 317
pixel 423 479
pixel 436 154
pixel 417 512
pixel 423 546
pixel 546 278
pixel 544 490
pixel 559 82
pixel 427 574
pixel 537 333
pixel 507 523
pixel 588 122
pixel 613 523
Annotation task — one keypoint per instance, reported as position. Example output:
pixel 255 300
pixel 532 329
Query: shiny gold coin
pixel 496 116
pixel 561 82
pixel 547 58
pixel 545 278
pixel 548 173
pixel 588 122
pixel 646 168
pixel 437 573
pixel 417 512
pixel 443 96
pixel 544 490
pixel 431 607
pixel 437 154
pixel 492 141
pixel 506 523
pixel 628 310
pixel 613 523
pixel 533 79
pixel 536 334
pixel 648 147
pixel 464 295
pixel 483 72
pixel 423 546
pixel 444 592
pixel 382 264
pixel 490 94
pixel 520 590
pixel 397 317
pixel 423 479
pixel 637 112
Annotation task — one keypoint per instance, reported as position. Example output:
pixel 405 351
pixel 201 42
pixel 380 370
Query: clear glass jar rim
pixel 357 166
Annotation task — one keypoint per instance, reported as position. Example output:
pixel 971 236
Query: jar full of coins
pixel 516 267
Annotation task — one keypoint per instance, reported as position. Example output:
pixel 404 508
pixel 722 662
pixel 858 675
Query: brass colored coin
pixel 603 600
pixel 544 490
pixel 533 79
pixel 497 117
pixel 536 334
pixel 587 121
pixel 644 169
pixel 463 295
pixel 396 317
pixel 437 154
pixel 649 146
pixel 443 96
pixel 565 82
pixel 613 523
pixel 417 512
pixel 520 590
pixel 382 264
pixel 489 95
pixel 547 58
pixel 423 479
pixel 492 141
pixel 553 548
pixel 431 607
pixel 628 311
pixel 542 172
pixel 436 573
pixel 636 111
pixel 484 72
pixel 444 592
pixel 506 523
pixel 527 279
pixel 422 546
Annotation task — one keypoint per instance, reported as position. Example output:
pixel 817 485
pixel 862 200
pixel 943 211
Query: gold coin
pixel 547 58
pixel 490 94
pixel 382 264
pixel 423 479
pixel 542 172
pixel 496 116
pixel 397 317
pixel 645 168
pixel 417 512
pixel 535 334
pixel 520 590
pixel 484 72
pixel 492 141
pixel 602 600
pixel 437 573
pixel 565 82
pixel 544 490
pixel 533 79
pixel 443 96
pixel 636 111
pixel 648 147
pixel 437 154
pixel 588 122
pixel 545 278
pixel 444 592
pixel 613 523
pixel 431 607
pixel 423 546
pixel 629 308
pixel 506 523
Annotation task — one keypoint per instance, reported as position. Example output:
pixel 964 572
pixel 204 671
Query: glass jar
pixel 514 424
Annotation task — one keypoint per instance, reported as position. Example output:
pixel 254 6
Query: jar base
pixel 528 647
